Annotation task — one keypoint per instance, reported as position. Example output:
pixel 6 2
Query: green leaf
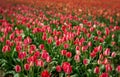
pixel 16 75
pixel 75 75
pixel 61 74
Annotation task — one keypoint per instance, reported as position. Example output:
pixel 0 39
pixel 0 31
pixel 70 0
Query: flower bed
pixel 43 43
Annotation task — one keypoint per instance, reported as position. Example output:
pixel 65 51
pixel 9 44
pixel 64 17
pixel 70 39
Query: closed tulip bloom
pixel 104 75
pixel 77 58
pixel 96 70
pixel 113 54
pixel 63 52
pixel 67 67
pixel 39 63
pixel 108 67
pixel 68 54
pixel 107 52
pixel 41 46
pixel 85 61
pixel 6 48
pixel 48 59
pixel 58 68
pixel 18 68
pixel 118 69
pixel 27 67
pixel 45 73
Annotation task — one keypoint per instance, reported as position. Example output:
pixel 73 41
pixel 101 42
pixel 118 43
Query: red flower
pixel 77 48
pixel 37 54
pixel 104 75
pixel 27 40
pixel 85 61
pixel 49 40
pixel 105 61
pixel 57 42
pixel 44 36
pixel 101 57
pixel 96 70
pixel 44 54
pixel 66 67
pixel 77 58
pixel 31 60
pixel 39 63
pixel 6 48
pixel 66 46
pixel 113 54
pixel 63 52
pixel 27 67
pixel 41 46
pixel 106 52
pixel 21 55
pixel 45 73
pixel 12 36
pixel 108 67
pixel 107 31
pixel 17 68
pixel 84 48
pixel 68 54
pixel 32 47
pixel 9 43
pixel 48 59
pixel 89 44
pixel 18 48
pixel 118 69
pixel 58 68
pixel 92 54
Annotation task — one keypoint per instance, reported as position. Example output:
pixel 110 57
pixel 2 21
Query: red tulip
pixel 85 61
pixel 108 67
pixel 37 54
pixel 22 55
pixel 32 47
pixel 68 54
pixel 92 54
pixel 58 68
pixel 45 73
pixel 107 31
pixel 66 67
pixel 118 68
pixel 27 67
pixel 77 58
pixel 41 46
pixel 113 54
pixel 96 70
pixel 66 46
pixel 104 75
pixel 18 68
pixel 6 48
pixel 27 40
pixel 44 54
pixel 48 59
pixel 18 48
pixel 77 48
pixel 39 63
pixel 106 52
pixel 49 40
pixel 63 52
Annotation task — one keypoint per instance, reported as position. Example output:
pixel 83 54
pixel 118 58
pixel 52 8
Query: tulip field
pixel 60 38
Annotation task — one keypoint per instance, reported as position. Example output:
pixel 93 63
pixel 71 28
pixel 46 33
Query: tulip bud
pixel 18 68
pixel 27 67
pixel 58 68
pixel 118 69
pixel 96 70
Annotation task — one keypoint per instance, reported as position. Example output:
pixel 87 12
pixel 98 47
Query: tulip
pixel 18 68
